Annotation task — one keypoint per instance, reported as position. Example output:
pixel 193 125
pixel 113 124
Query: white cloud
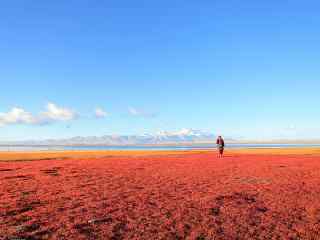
pixel 53 113
pixel 134 111
pixel 17 116
pixel 140 113
pixel 56 113
pixel 100 113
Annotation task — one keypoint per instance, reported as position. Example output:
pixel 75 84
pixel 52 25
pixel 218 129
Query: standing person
pixel 220 145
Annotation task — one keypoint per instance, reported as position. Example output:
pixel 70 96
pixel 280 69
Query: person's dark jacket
pixel 220 142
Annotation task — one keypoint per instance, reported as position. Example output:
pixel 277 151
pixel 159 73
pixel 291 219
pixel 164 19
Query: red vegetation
pixel 182 196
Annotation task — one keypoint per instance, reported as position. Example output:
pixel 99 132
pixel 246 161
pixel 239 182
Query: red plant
pixel 189 196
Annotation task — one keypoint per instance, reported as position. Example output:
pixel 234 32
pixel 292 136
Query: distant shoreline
pixel 182 144
pixel 189 147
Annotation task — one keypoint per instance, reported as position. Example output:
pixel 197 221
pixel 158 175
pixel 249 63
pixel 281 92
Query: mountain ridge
pixel 184 136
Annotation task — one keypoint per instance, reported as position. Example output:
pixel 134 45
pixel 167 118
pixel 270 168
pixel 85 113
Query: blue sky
pixel 239 68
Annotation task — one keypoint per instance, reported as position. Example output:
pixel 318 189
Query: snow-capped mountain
pixel 184 136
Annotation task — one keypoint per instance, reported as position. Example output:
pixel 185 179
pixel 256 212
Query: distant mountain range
pixel 185 136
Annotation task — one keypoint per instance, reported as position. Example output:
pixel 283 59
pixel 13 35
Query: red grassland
pixel 160 195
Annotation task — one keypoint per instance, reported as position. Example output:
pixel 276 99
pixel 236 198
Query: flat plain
pixel 248 194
